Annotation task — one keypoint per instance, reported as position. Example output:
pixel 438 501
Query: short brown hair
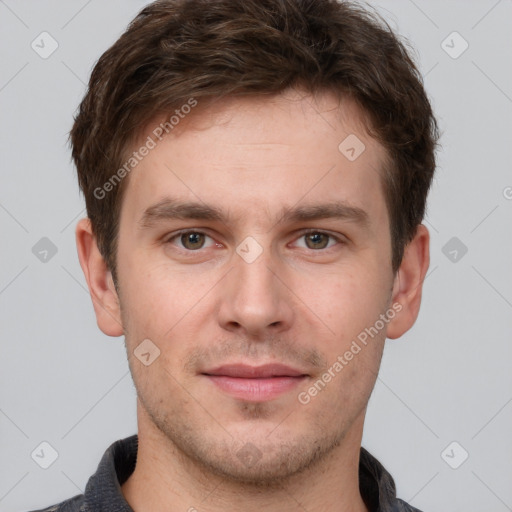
pixel 175 50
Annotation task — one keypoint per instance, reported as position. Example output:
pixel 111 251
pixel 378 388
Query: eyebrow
pixel 170 209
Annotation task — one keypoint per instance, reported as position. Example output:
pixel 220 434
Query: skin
pixel 299 303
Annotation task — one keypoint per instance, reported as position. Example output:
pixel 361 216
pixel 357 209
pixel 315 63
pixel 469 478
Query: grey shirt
pixel 103 490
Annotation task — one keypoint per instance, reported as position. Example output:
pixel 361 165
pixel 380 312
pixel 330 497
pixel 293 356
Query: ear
pixel 99 280
pixel 408 283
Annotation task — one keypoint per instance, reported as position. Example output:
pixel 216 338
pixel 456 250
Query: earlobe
pixel 99 280
pixel 408 283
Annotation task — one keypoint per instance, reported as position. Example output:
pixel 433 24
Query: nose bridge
pixel 254 299
pixel 255 278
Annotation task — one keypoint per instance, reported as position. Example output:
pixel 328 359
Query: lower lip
pixel 256 390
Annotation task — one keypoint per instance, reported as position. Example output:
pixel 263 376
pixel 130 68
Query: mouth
pixel 255 383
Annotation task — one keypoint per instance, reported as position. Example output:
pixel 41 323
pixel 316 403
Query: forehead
pixel 263 152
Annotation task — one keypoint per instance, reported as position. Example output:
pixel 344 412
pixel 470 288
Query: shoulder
pixel 75 504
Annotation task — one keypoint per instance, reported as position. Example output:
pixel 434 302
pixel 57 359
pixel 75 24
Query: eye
pixel 318 240
pixel 191 240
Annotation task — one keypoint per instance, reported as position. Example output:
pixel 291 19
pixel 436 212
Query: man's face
pixel 294 263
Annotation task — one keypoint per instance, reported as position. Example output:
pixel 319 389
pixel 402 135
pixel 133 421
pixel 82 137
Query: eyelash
pixel 304 233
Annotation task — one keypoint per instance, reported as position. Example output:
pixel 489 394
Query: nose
pixel 255 301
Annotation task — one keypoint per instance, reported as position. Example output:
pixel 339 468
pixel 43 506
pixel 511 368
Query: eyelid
pixel 169 238
pixel 307 231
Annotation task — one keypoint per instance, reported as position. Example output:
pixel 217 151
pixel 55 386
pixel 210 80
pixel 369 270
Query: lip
pixel 245 371
pixel 255 383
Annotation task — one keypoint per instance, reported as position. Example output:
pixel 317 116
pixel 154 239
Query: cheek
pixel 349 301
pixel 343 390
pixel 156 296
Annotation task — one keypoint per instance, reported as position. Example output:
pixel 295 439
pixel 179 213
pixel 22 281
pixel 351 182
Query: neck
pixel 165 478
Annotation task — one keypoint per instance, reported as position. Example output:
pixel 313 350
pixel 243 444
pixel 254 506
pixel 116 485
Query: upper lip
pixel 245 371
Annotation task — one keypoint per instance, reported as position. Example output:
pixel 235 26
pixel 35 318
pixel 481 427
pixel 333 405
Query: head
pixel 255 176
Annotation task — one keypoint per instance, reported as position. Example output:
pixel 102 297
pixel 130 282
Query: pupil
pixel 317 240
pixel 192 240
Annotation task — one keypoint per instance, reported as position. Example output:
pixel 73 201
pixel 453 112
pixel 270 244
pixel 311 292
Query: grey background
pixel 62 381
